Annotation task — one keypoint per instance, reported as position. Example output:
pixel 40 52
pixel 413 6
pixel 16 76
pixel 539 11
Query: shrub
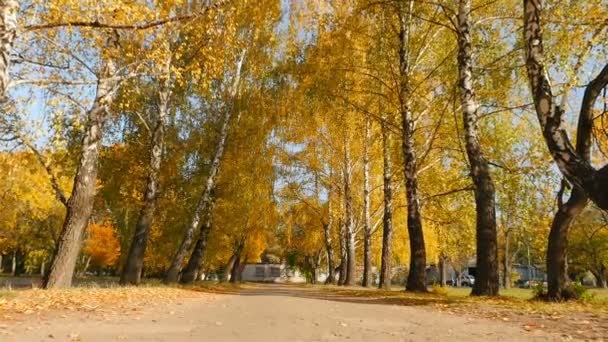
pixel 577 291
pixel 574 291
pixel 539 291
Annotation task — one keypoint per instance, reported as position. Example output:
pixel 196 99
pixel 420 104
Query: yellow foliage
pixel 102 244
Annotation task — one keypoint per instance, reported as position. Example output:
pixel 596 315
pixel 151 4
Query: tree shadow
pixel 331 293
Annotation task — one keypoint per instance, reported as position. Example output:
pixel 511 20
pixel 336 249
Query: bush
pixel 539 291
pixel 577 291
pixel 574 291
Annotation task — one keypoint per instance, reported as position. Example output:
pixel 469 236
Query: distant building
pixel 271 273
pixel 532 272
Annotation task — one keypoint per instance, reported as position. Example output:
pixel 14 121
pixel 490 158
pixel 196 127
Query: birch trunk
pixel 349 224
pixel 203 208
pixel 195 263
pixel 387 219
pixel 487 281
pixel 8 32
pixel 331 277
pixel 367 229
pixel 416 279
pixel 14 264
pixel 506 266
pixel 343 255
pixel 80 204
pixel 131 273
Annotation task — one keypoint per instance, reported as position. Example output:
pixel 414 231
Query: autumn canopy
pixel 355 141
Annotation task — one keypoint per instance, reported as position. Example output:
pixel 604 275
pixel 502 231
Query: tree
pixel 487 280
pixel 574 162
pixel 131 273
pixel 589 244
pixel 101 244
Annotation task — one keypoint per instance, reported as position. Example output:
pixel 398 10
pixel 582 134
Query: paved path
pixel 273 313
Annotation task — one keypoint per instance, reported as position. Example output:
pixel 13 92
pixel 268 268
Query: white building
pixel 271 273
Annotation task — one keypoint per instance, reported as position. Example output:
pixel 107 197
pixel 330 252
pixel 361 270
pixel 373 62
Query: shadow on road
pixel 332 293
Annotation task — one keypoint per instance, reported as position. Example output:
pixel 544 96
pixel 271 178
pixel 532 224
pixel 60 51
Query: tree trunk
pixel 343 256
pixel 203 208
pixel 42 267
pixel 387 220
pixel 1 263
pixel 131 273
pixel 349 224
pixel 573 162
pixel 557 269
pixel 367 229
pixel 331 279
pixel 443 270
pixel 416 279
pixel 601 277
pixel 80 204
pixel 506 263
pixel 195 263
pixel 229 266
pixel 8 32
pixel 14 264
pixel 236 268
pixel 487 279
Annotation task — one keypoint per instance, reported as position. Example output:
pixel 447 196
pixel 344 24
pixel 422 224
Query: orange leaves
pixel 102 244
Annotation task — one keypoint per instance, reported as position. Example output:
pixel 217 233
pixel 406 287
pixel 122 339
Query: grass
pixel 514 300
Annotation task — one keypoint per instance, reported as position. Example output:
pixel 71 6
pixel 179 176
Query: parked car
pixel 467 280
pixel 524 284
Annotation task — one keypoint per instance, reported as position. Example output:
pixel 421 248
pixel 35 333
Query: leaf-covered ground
pixel 88 299
pixel 587 320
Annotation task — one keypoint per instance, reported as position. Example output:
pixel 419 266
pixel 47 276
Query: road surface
pixel 270 313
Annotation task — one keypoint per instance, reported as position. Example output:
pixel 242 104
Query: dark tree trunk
pixel 387 220
pixel 205 204
pixel 601 277
pixel 487 280
pixel 367 229
pixel 131 273
pixel 80 204
pixel 195 263
pixel 416 279
pixel 557 268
